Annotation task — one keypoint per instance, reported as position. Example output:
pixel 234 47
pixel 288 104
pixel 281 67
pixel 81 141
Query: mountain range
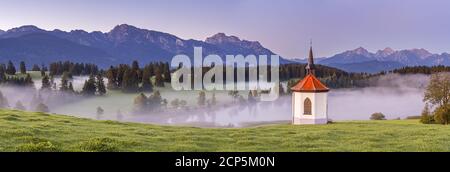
pixel 123 44
pixel 361 60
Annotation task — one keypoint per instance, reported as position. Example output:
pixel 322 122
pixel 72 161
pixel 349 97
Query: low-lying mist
pixel 396 96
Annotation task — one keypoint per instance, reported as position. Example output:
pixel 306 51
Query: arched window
pixel 307 107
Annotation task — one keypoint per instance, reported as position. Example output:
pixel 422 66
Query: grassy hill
pixel 28 131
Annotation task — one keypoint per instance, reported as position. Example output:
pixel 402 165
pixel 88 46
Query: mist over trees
pixel 93 86
pixel 7 78
pixel 152 103
pixel 146 79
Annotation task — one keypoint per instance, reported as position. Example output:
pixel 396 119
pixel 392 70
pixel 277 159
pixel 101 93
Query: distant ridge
pixel 361 60
pixel 123 44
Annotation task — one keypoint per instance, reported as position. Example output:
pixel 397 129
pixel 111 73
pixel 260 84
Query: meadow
pixel 32 131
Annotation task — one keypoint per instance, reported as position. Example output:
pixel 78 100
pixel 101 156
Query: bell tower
pixel 310 97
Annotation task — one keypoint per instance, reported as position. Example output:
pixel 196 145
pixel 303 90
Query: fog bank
pixel 396 96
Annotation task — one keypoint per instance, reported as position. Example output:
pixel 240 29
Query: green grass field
pixel 27 131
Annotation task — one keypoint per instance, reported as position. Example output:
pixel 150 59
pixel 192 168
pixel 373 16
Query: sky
pixel 284 26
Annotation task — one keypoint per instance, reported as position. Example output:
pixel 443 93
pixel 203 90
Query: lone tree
pixel 23 68
pixel 100 111
pixel 201 100
pixel 438 94
pixel 3 101
pixel 377 116
pixel 41 107
pixel 20 106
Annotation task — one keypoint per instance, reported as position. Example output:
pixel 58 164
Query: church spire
pixel 310 68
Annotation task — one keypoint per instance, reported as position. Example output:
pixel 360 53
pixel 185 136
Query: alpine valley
pixel 125 43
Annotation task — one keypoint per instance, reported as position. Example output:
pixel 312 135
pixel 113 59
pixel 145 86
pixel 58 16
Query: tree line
pixel 136 79
pixel 75 69
pixel 8 75
pixel 421 69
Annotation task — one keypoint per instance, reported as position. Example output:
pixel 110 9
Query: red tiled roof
pixel 310 84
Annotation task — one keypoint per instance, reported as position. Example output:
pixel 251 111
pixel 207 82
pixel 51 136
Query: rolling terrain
pixel 27 131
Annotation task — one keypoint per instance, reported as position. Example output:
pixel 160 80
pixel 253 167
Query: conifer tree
pixel 23 68
pixel 101 88
pixel 36 68
pixel 2 69
pixel 166 73
pixel 11 69
pixel 140 103
pixel 64 82
pixel 111 74
pixel 135 65
pixel 154 101
pixel 42 71
pixel 130 81
pixel 46 84
pixel 29 80
pixel 89 87
pixel 159 80
pixel 146 83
